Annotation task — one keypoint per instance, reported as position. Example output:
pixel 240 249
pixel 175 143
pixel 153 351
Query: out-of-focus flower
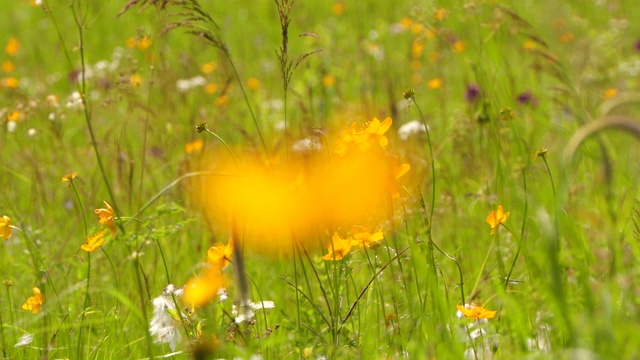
pixel 497 217
pixel 106 216
pixel 208 68
pixel 411 128
pixel 328 81
pixel 69 177
pixel 540 153
pixel 6 228
pixel 219 254
pixel 15 115
pixel 248 311
pixel 529 45
pixel 610 93
pixel 441 14
pixel 566 37
pixel 374 133
pixel 164 325
pixel 24 340
pixel 435 83
pixel 364 238
pixel 52 101
pixel 135 80
pixel 638 45
pixel 527 98
pixel 200 290
pixel 8 66
pixel 94 242
pixel 144 42
pixel 184 85
pixel 338 248
pixel 458 46
pixel 10 83
pixel 473 93
pixel 194 146
pixel 12 47
pixel 471 311
pixel 253 83
pixel 337 8
pixel 35 302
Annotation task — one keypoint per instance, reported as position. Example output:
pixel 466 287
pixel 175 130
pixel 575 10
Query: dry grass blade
pixel 624 123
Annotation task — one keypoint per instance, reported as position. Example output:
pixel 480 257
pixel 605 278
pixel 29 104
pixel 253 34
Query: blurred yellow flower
pixel 211 88
pixel 529 45
pixel 221 101
pixel 10 83
pixel 338 248
pixel 131 42
pixel 566 37
pixel 374 133
pixel 199 290
pixel 435 83
pixel 497 217
pixel 94 242
pixel 34 303
pixel 8 66
pixel 219 254
pixel 106 216
pixel 441 14
pixel 209 67
pixel 135 80
pixel 5 227
pixel 337 8
pixel 14 115
pixel 417 48
pixel 406 23
pixel 610 93
pixel 471 311
pixel 253 83
pixel 363 238
pixel 194 146
pixel 69 177
pixel 144 42
pixel 328 81
pixel 459 46
pixel 12 47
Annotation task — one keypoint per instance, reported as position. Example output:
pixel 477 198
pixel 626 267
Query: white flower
pixel 410 128
pixel 247 313
pixel 163 327
pixel 74 101
pixel 307 145
pixel 223 295
pixel 185 85
pixel 24 340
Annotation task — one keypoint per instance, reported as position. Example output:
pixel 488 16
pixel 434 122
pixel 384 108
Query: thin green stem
pixel 524 222
pixel 84 220
pixel 84 308
pixel 225 145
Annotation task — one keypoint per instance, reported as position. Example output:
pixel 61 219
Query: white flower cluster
pixel 246 313
pixel 163 327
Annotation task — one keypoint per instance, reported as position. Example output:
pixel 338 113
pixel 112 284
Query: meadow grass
pixel 319 180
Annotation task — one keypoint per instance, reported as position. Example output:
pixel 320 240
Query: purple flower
pixel 473 93
pixel 638 45
pixel 527 97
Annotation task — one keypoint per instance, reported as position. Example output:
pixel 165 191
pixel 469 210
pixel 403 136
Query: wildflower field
pixel 319 179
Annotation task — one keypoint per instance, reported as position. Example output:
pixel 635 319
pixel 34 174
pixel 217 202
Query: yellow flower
pixel 363 238
pixel 14 115
pixel 94 242
pixel 135 80
pixel 346 137
pixel 194 146
pixel 131 42
pixel 209 67
pixel 8 66
pixel 609 93
pixel 338 249
pixel 5 227
pixel 497 217
pixel 458 46
pixel 10 83
pixel 529 45
pixel 441 14
pixel 199 290
pixel 69 177
pixel 253 83
pixel 435 83
pixel 374 133
pixel 472 311
pixel 144 43
pixel 34 303
pixel 541 153
pixel 337 8
pixel 566 37
pixel 211 88
pixel 106 216
pixel 221 101
pixel 328 81
pixel 13 46
pixel 406 22
pixel 220 254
